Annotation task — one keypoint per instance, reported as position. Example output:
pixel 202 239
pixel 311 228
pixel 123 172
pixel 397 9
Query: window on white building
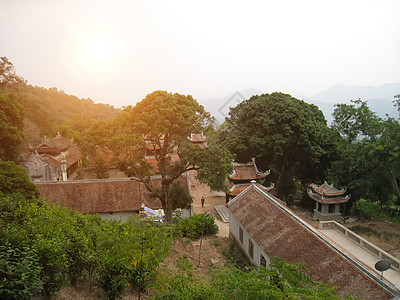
pixel 251 249
pixel 263 261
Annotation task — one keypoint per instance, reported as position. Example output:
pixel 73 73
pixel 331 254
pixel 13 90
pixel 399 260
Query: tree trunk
pixel 168 210
pixel 168 202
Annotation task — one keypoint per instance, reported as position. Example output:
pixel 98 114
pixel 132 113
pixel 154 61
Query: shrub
pixel 19 273
pixel 373 209
pixel 112 277
pixel 14 179
pixel 198 225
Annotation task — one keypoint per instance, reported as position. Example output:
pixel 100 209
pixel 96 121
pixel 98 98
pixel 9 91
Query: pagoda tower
pixel 328 201
pixel 242 176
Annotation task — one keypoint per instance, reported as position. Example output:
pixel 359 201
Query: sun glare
pixel 95 52
pixel 100 48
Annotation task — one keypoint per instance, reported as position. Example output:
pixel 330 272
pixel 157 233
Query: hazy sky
pixel 118 51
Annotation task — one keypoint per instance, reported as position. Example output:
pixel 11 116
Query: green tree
pixel 396 102
pixel 369 151
pixel 285 134
pixel 100 169
pixel 160 126
pixel 11 126
pixel 14 179
pixel 8 76
pixel 356 121
pixel 97 143
pixel 67 132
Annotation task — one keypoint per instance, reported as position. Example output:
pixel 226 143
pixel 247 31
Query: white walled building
pixel 263 227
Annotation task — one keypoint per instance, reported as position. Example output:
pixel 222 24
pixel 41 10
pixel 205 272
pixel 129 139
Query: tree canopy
pixel 8 76
pixel 14 179
pixel 285 134
pixel 160 126
pixel 11 126
pixel 368 164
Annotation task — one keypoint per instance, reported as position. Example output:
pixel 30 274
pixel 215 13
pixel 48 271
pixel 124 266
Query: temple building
pixel 242 176
pixel 53 159
pixel 328 201
pixel 199 139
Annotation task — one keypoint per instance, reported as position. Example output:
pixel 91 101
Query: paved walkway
pixel 360 254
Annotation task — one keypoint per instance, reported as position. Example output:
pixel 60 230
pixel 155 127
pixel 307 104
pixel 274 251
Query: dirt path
pixel 211 200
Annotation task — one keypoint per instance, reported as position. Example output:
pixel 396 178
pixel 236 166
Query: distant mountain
pixel 341 93
pixel 380 99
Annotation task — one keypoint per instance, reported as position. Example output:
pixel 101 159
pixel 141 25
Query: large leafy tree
pixel 8 76
pixel 11 126
pixel 368 163
pixel 355 121
pixel 285 134
pixel 160 126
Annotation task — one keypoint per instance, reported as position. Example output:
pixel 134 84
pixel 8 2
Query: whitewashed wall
pixel 119 216
pixel 234 232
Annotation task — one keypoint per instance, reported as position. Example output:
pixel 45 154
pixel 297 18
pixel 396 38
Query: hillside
pixel 48 108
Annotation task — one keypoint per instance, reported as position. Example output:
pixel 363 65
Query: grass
pixel 386 235
pixel 373 209
pixel 359 229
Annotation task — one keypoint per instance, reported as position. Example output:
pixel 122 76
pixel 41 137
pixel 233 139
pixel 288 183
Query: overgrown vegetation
pixel 388 212
pixel 198 225
pixel 44 247
pixel 279 281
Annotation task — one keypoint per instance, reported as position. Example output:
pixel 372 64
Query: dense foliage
pixel 11 126
pixel 8 76
pixel 368 164
pixel 45 109
pixel 14 179
pixel 44 247
pixel 284 134
pixel 279 281
pixel 48 108
pixel 160 126
pixel 197 226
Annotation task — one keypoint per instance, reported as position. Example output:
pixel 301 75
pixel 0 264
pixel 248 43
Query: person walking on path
pixel 202 201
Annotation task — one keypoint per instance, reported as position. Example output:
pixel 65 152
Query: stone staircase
pixel 223 212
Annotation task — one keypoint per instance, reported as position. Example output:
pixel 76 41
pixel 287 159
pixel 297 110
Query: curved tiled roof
pixel 247 171
pixel 328 200
pixel 327 189
pixel 236 189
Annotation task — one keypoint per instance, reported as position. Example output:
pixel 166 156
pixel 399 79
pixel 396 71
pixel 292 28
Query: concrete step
pixel 223 211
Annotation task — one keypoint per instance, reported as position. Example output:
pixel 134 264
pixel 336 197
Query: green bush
pixel 131 252
pixel 198 225
pixel 19 273
pixel 112 276
pixel 51 244
pixel 373 209
pixel 14 179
